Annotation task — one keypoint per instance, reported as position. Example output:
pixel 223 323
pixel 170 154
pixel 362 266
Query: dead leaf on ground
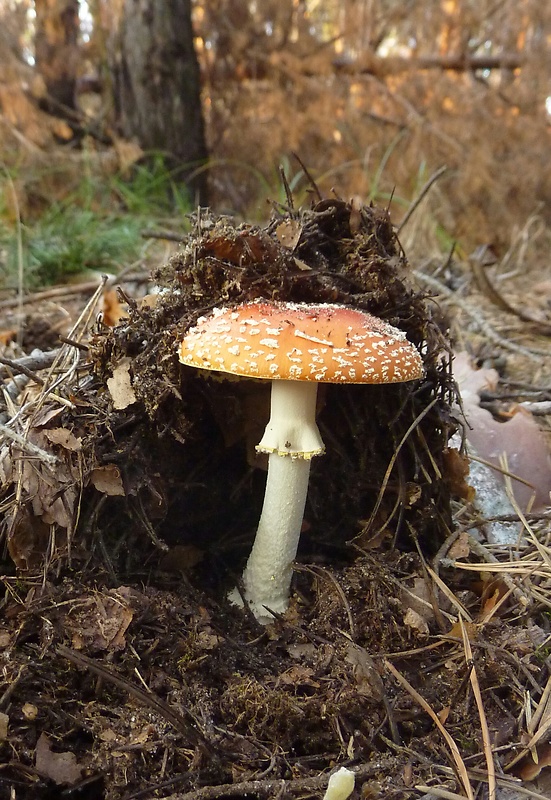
pixel 4 722
pixel 28 539
pixel 64 438
pixel 61 768
pixel 288 233
pixel 120 386
pixel 298 676
pixel 416 622
pixel 461 547
pixel 100 622
pixel 365 670
pixel 108 480
pixel 456 472
pixel 112 308
pixel 52 494
pixel 418 600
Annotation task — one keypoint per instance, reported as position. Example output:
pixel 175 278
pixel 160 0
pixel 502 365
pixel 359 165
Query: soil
pixel 127 673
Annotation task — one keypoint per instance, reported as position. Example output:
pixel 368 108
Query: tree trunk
pixel 156 86
pixel 57 52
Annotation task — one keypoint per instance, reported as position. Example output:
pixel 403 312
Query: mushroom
pixel 296 346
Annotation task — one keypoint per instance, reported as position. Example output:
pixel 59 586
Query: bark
pixel 57 52
pixel 156 86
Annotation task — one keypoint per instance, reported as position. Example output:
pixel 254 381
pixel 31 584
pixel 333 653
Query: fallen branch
pixel 278 787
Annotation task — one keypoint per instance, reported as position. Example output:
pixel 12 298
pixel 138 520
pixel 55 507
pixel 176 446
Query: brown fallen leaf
pixel 64 438
pixel 120 386
pixel 288 233
pixel 100 621
pixel 61 768
pixel 107 480
pixel 4 722
pixel 112 308
pixel 527 769
pixel 414 621
pixel 461 547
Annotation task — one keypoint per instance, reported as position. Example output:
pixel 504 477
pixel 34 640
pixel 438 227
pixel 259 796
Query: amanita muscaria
pixel 296 346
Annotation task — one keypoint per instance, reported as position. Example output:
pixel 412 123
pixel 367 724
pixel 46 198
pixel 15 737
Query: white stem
pixel 267 576
pixel 291 438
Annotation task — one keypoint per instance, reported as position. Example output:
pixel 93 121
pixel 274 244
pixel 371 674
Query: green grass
pixel 69 240
pixel 97 227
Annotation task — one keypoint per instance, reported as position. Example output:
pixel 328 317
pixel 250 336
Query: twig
pixel 51 294
pixel 32 449
pixel 539 407
pixel 276 788
pixel 28 365
pixel 450 741
pixel 19 368
pixel 478 319
pixel 475 686
pixel 487 287
pixel 435 791
pixel 502 781
pixel 169 236
pixel 188 727
pixel 68 290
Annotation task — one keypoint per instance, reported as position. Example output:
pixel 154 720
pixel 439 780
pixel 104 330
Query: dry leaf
pixel 61 768
pixel 472 630
pixel 46 414
pixel 112 308
pixel 416 622
pixel 4 721
pixel 418 598
pixel 7 336
pixel 288 233
pixel 298 676
pixel 366 674
pixel 120 386
pixel 53 494
pixel 100 622
pixel 181 558
pixel 64 438
pixel 527 769
pixel 28 540
pixel 108 480
pixel 461 547
pixel 456 472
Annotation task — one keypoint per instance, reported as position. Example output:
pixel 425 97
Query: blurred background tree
pixel 373 95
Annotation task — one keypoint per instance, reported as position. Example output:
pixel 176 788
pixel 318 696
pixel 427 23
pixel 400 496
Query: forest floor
pixel 127 674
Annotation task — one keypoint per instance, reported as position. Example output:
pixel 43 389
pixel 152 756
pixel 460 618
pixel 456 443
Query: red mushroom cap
pixel 303 342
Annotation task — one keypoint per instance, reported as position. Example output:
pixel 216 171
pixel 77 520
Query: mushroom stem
pixel 267 576
pixel 291 438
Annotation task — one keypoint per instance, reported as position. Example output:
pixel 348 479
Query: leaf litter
pixel 414 652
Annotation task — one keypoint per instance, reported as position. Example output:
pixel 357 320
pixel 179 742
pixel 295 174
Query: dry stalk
pixel 484 326
pixel 450 741
pixel 512 784
pixel 392 461
pixel 486 742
